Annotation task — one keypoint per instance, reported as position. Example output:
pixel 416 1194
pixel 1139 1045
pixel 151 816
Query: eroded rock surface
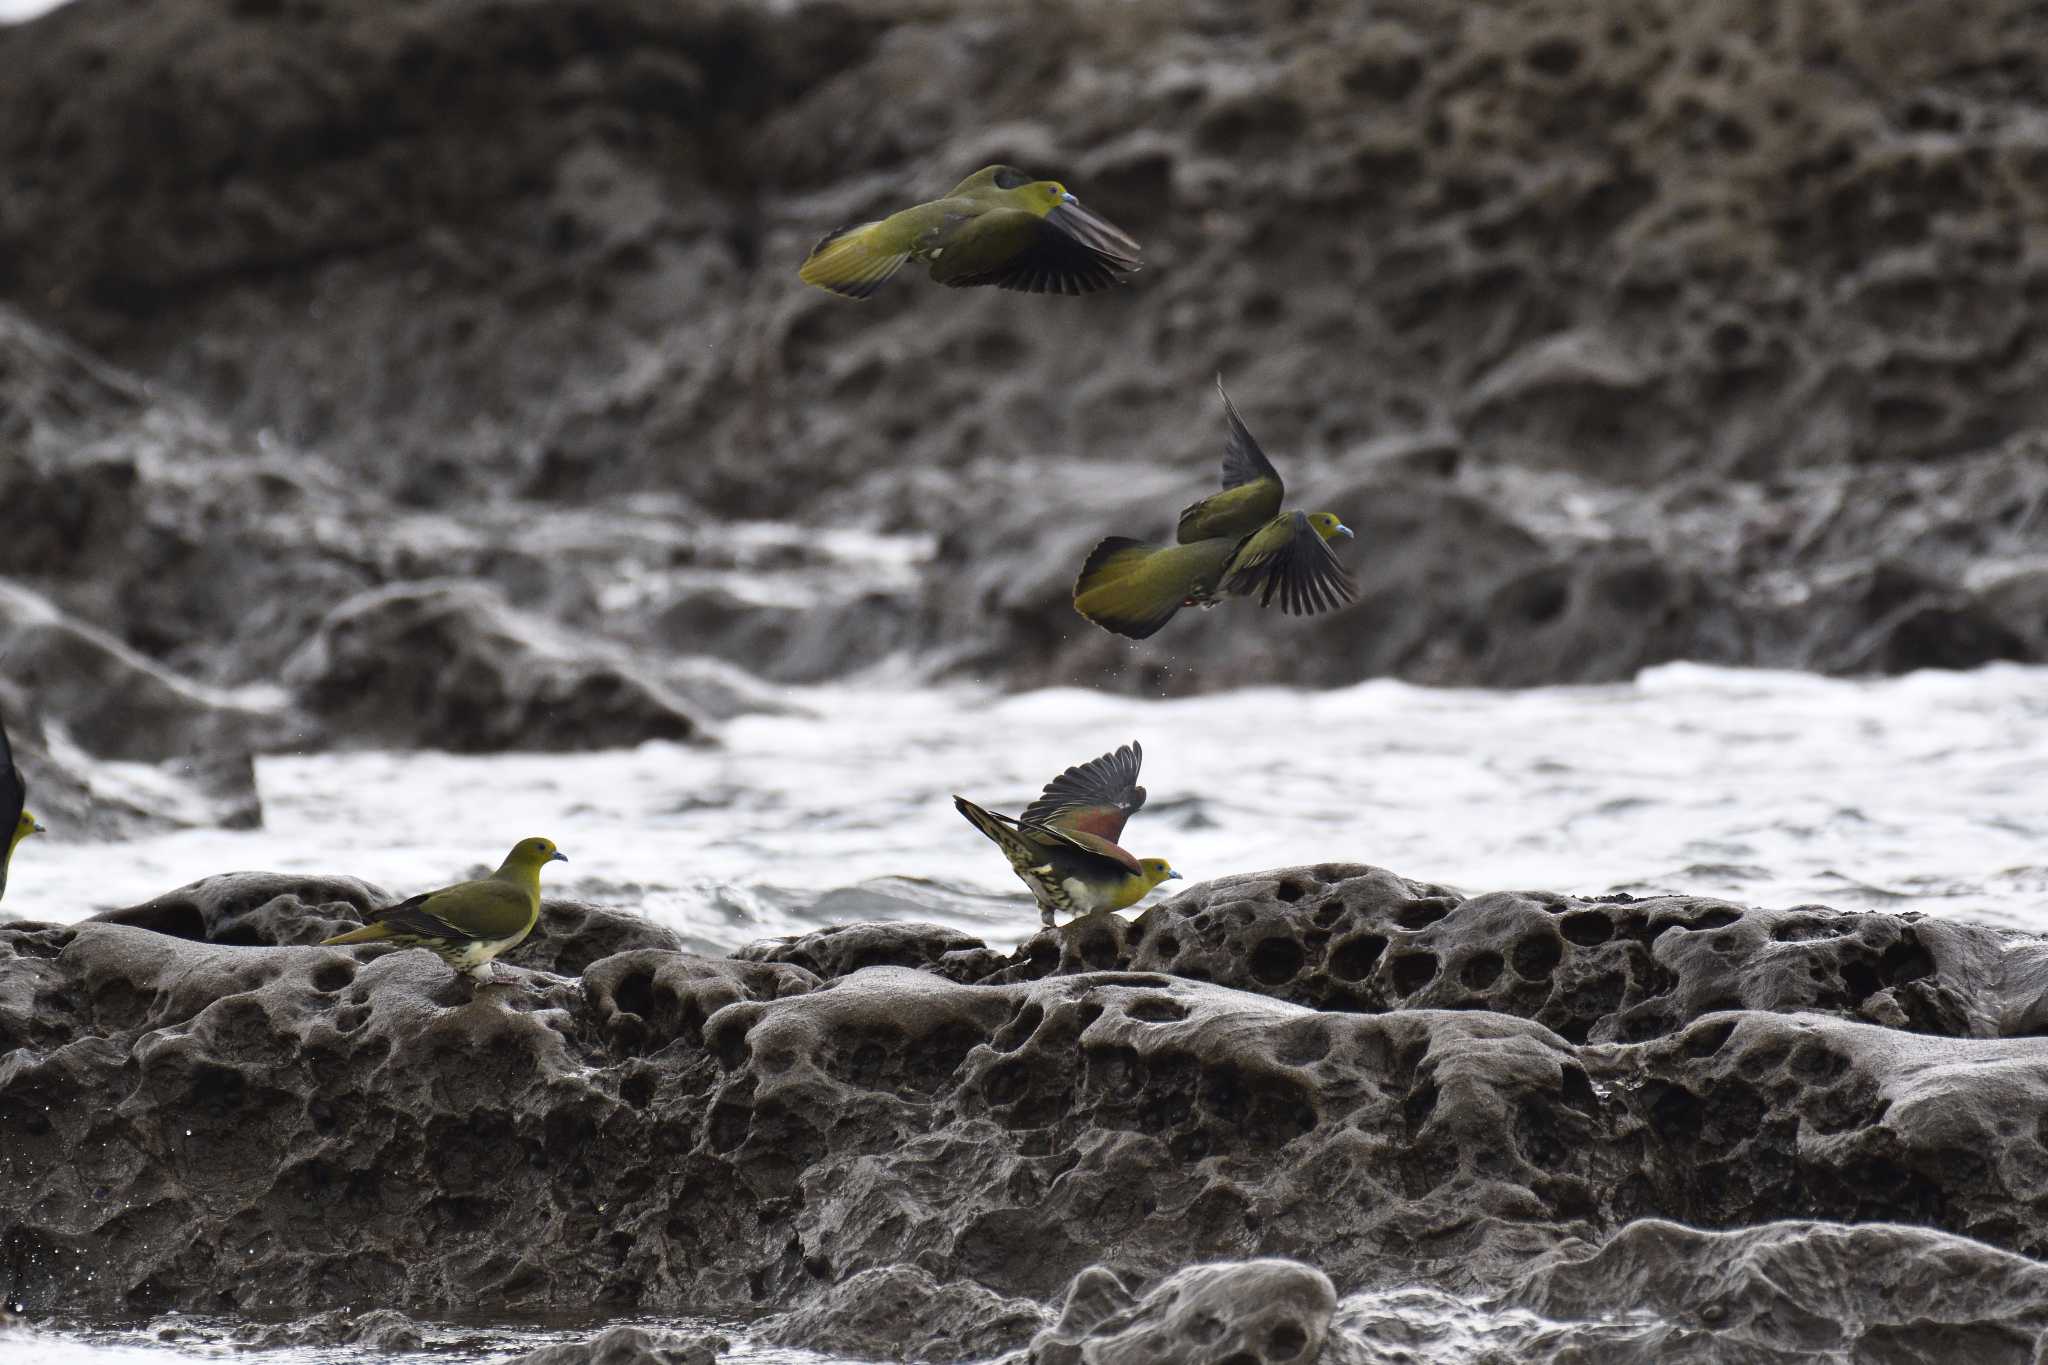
pixel 856 1146
pixel 631 1346
pixel 1805 1291
pixel 1619 968
pixel 900 1312
pixel 1251 1312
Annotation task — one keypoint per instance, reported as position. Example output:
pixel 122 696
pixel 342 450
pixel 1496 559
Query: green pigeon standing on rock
pixel 1064 844
pixel 1237 543
pixel 998 226
pixel 14 816
pixel 470 923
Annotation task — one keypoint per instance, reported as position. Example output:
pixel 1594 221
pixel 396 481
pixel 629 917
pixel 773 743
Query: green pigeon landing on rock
pixel 1064 844
pixel 470 923
pixel 14 816
pixel 1236 543
pixel 998 226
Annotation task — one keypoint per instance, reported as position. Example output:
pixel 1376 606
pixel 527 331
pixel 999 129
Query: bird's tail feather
pixel 369 933
pixel 1132 588
pixel 850 262
pixel 996 827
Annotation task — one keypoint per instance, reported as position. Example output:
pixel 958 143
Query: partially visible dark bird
pixel 998 226
pixel 1064 844
pixel 14 816
pixel 1236 543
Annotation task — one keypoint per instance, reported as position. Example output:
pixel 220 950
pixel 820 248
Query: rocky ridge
pixel 1333 1086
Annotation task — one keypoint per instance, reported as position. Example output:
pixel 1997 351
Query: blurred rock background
pixel 364 367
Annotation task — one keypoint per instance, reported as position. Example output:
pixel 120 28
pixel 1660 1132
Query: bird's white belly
pixel 1078 892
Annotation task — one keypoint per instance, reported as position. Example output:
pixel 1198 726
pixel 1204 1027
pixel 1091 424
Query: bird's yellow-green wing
pixel 854 261
pixel 1095 797
pixel 1132 588
pixel 483 910
pixel 1252 489
pixel 1066 251
pixel 1287 558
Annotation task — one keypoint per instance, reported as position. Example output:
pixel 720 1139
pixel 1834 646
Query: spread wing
pixel 1252 488
pixel 1068 251
pixel 13 791
pixel 468 911
pixel 1243 461
pixel 1093 798
pixel 1093 844
pixel 1287 558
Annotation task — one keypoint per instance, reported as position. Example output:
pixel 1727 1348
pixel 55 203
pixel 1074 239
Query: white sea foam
pixel 1916 793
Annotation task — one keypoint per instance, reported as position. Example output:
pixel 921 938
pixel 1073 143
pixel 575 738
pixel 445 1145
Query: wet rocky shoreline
pixel 1769 1133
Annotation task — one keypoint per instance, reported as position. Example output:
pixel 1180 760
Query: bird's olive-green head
pixel 530 855
pixel 1014 189
pixel 1156 870
pixel 24 827
pixel 1328 525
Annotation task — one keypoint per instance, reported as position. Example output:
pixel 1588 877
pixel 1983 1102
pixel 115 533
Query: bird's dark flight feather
pixel 13 791
pixel 1095 797
pixel 1071 252
pixel 13 798
pixel 1243 461
pixel 1302 571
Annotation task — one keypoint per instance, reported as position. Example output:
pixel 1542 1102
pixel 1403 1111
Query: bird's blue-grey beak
pixel 1344 531
pixel 36 826
pixel 1068 197
pixel 1173 876
pixel 560 857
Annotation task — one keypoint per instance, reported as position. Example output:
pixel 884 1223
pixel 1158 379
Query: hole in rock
pixel 1536 956
pixel 1354 958
pixel 1715 919
pixel 1286 1341
pixel 1811 1061
pixel 1707 1039
pixel 1290 890
pixel 1587 928
pixel 1018 1031
pixel 333 976
pixel 1155 1009
pixel 1905 961
pixel 1481 970
pixel 1413 971
pixel 1674 1111
pixel 1577 1091
pixel 1420 914
pixel 1276 959
pixel 1859 979
pixel 1420 1104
